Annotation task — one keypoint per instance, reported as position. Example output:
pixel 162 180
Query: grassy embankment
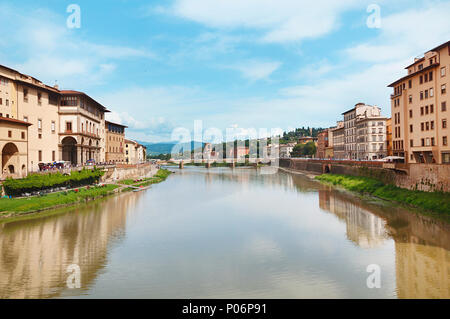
pixel 434 202
pixel 18 206
pixel 157 178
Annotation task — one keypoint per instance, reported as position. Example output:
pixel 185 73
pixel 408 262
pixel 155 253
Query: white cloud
pixel 256 70
pixel 406 34
pixel 279 20
pixel 47 49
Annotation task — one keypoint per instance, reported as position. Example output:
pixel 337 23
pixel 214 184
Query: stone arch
pixel 10 159
pixel 69 149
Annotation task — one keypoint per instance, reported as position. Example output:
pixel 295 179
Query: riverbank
pixel 10 208
pixel 436 203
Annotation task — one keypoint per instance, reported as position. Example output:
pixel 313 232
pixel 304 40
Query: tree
pixel 301 150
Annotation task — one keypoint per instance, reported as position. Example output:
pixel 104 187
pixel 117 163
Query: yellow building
pixel 389 136
pixel 420 109
pixel 27 99
pixel 82 128
pixel 13 148
pixel 115 142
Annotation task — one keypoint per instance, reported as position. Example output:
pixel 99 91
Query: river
pixel 223 233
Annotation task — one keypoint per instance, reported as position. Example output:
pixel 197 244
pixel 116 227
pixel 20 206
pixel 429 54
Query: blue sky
pixel 158 65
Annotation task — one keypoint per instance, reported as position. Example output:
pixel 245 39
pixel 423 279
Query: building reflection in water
pixel 35 254
pixel 422 244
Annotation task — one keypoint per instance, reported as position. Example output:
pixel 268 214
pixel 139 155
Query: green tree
pixel 302 150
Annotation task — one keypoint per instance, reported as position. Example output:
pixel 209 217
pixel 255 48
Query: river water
pixel 223 233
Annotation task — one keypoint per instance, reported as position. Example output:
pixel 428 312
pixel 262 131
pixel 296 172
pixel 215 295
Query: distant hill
pixel 166 148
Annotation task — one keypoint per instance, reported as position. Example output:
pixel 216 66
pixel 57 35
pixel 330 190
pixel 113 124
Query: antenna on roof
pixel 56 86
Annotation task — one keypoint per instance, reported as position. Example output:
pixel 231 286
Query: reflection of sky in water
pixel 242 235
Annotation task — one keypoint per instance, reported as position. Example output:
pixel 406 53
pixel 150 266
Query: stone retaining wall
pixel 120 172
pixel 425 177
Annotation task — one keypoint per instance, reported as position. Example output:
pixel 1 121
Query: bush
pixel 37 182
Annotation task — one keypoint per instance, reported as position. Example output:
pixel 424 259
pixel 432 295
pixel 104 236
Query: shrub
pixel 37 182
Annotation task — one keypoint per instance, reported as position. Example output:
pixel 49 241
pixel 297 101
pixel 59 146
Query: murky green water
pixel 223 233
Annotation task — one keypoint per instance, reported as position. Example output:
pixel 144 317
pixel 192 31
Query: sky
pixel 262 64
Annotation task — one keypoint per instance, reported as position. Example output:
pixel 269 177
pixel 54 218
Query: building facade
pixel 286 150
pixel 420 109
pixel 389 136
pixel 371 143
pixel 115 143
pixel 81 122
pixel 338 137
pixel 350 129
pixel 13 148
pixel 322 144
pixel 27 99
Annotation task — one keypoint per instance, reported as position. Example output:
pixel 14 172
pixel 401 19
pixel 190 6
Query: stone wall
pixel 425 177
pixel 119 172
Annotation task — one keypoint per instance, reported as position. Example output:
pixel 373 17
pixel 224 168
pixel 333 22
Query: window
pixel 431 108
pixel 423 141
pixel 39 96
pixel 443 106
pixel 10 134
pixel 443 89
pixel 40 156
pixel 410 84
pixel 7 102
pixel 427 125
pixel 432 125
pixel 446 158
pixel 426 94
pixel 426 109
pixel 444 123
pixel 431 92
pixel 25 118
pixel 422 126
pixel 1 101
pixel 443 71
pixel 444 140
pixel 411 143
pixel 430 76
pixel 432 141
pixel 410 128
pixel 421 110
pixel 39 124
pixel 421 79
pixel 23 135
pixel 426 78
pixel 25 95
pixel 421 95
pixel 410 99
pixel 53 156
pixel 68 126
pixel 53 126
pixel 40 135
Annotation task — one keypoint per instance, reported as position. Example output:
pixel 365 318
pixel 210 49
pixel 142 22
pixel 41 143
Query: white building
pixel 350 133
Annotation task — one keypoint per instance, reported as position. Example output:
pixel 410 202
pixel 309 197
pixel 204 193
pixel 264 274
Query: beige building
pixel 338 140
pixel 13 148
pixel 420 109
pixel 27 99
pixel 350 129
pixel 115 143
pixel 134 152
pixel 371 141
pixel 81 134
